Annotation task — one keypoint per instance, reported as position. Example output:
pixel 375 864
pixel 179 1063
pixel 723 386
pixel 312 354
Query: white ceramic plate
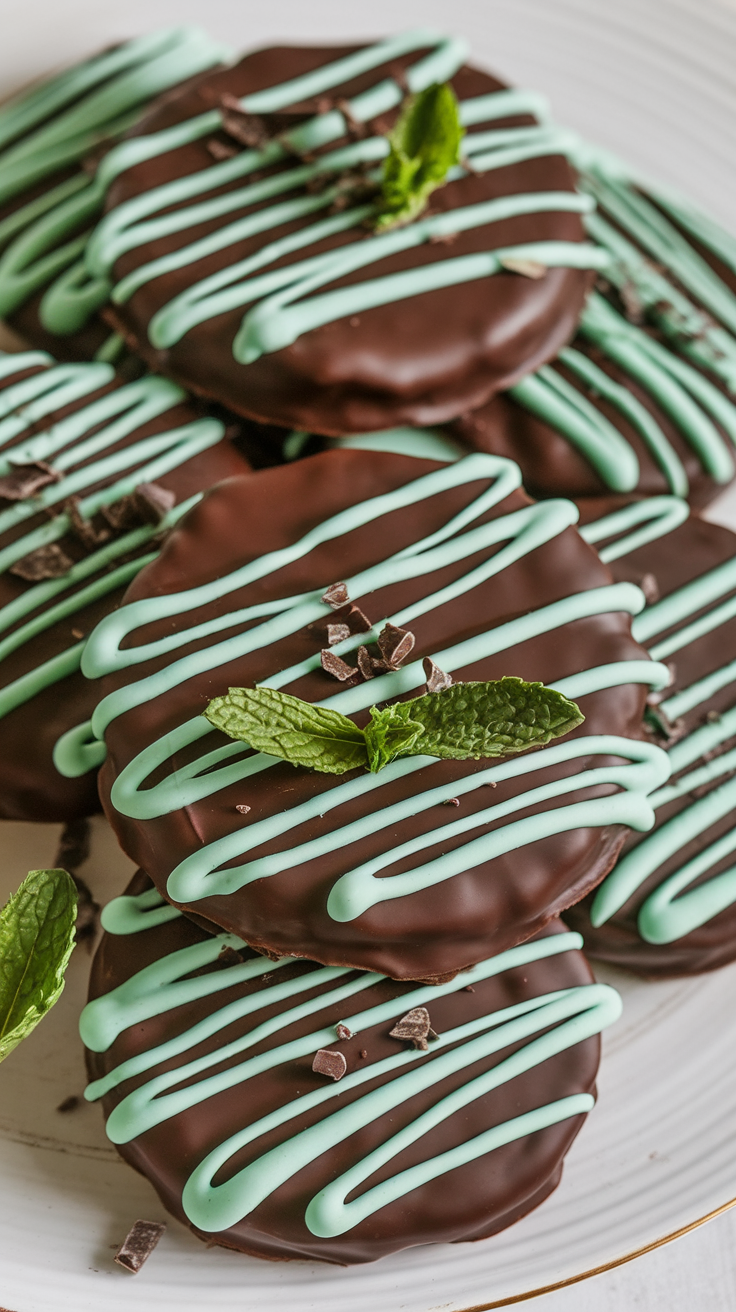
pixel 654 80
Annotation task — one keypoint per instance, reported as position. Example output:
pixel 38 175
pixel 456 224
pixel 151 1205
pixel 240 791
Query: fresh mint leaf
pixel 470 721
pixel 286 726
pixel 425 145
pixel 36 941
pixel 391 733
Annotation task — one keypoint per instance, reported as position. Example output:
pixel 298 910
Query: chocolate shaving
pixel 148 504
pixel 416 1027
pixel 220 150
pixel 337 633
pixel 83 529
pixel 343 1032
pixel 49 562
pixel 69 1104
pixel 527 268
pixel 437 680
pixel 243 808
pixel 468 989
pixel 138 1245
pixel 364 1053
pixel 358 621
pixel 245 128
pixel 24 481
pixel 327 1062
pixel 228 957
pixel 395 645
pixel 336 596
pixel 451 801
pixel 650 588
pixel 368 665
pixel 335 666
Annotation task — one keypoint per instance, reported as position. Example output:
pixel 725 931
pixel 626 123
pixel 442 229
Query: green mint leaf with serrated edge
pixel 425 145
pixel 391 733
pixel 471 721
pixel 285 726
pixel 36 941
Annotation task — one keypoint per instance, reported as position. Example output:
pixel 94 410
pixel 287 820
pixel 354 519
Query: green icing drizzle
pixel 80 448
pixel 674 909
pixel 542 1026
pixel 643 766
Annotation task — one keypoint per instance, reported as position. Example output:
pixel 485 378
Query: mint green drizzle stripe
pixel 698 693
pixel 43 676
pixel 678 605
pixel 131 914
pixel 656 515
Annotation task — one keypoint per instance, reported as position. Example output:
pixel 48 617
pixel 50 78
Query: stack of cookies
pixel 367 717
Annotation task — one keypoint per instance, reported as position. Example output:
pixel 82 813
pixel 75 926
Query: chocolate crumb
pixel 489 784
pixel 451 801
pixel 364 1053
pixel 343 1032
pixel 395 645
pixel 220 150
pixel 527 268
pixel 335 666
pixel 337 633
pixel 78 634
pixel 366 664
pixel 228 956
pixel 69 1104
pixel 416 1027
pixel 327 1062
pixel 138 1245
pixel 247 129
pixel 242 807
pixel 650 587
pixel 336 596
pixel 437 680
pixel 713 717
pixel 27 480
pixel 49 562
pixel 468 989
pixel 147 504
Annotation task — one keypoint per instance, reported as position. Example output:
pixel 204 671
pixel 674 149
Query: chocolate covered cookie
pixel 669 906
pixel 643 400
pixel 92 475
pixel 51 138
pixel 355 579
pixel 247 258
pixel 259 1095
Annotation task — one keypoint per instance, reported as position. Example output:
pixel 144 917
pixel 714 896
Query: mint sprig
pixel 469 721
pixel 425 145
pixel 36 941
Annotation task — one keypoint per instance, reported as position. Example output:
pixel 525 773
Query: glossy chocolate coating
pixel 418 361
pixel 30 786
pixel 675 559
pixel 471 1202
pixel 469 917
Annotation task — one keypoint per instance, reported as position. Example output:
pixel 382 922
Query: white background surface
pixel 688 48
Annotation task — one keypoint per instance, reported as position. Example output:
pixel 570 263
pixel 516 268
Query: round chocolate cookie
pixel 429 864
pixel 643 400
pixel 92 473
pixel 50 139
pixel 669 906
pixel 256 1094
pixel 238 240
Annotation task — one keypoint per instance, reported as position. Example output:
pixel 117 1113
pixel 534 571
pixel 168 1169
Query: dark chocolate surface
pixel 418 361
pixel 674 560
pixel 469 916
pixel 470 1202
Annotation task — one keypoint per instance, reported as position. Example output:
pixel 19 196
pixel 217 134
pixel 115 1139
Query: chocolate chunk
pixel 83 529
pixel 527 268
pixel 416 1027
pixel 49 562
pixel 358 621
pixel 395 645
pixel 336 596
pixel 219 150
pixel 148 504
pixel 69 1104
pixel 650 587
pixel 368 665
pixel 335 666
pixel 343 1032
pixel 436 678
pixel 228 956
pixel 247 129
pixel 327 1062
pixel 364 1053
pixel 24 481
pixel 337 633
pixel 451 801
pixel 242 807
pixel 138 1245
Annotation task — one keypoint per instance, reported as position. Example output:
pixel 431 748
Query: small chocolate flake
pixel 24 481
pixel 247 129
pixel 336 596
pixel 437 680
pixel 228 956
pixel 451 801
pixel 83 529
pixel 713 717
pixel 527 268
pixel 327 1062
pixel 336 666
pixel 395 645
pixel 242 807
pixel 147 504
pixel 69 1104
pixel 415 1026
pixel 343 1032
pixel 364 1053
pixel 337 633
pixel 366 663
pixel 78 634
pixel 489 784
pixel 468 989
pixel 138 1245
pixel 358 620
pixel 650 588
pixel 49 562
pixel 220 150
